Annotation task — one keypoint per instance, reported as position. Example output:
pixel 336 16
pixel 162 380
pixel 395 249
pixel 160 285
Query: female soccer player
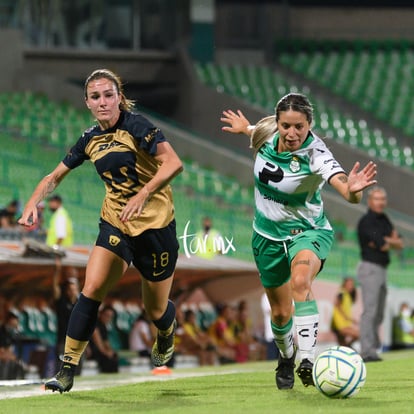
pixel 137 221
pixel 292 236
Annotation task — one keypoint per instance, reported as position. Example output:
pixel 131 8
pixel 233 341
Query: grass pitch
pixel 227 389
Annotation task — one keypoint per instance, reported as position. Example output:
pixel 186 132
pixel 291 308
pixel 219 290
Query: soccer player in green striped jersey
pixel 291 235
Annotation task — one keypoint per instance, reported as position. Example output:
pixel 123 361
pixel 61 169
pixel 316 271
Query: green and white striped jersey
pixel 288 188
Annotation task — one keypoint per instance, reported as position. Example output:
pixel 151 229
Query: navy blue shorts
pixel 154 252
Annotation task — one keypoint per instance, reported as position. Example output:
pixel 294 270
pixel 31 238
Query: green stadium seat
pixel 369 76
pixel 374 75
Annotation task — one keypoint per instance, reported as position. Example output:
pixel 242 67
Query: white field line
pixel 35 388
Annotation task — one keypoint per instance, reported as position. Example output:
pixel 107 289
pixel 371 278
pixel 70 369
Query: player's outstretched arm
pixel 44 188
pixel 238 123
pixel 351 186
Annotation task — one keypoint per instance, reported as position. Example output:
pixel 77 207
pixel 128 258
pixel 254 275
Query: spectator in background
pixel 209 240
pixel 65 294
pixel 194 341
pixel 222 334
pixel 8 215
pixel 100 347
pixel 377 237
pixel 249 348
pixel 140 337
pixel 403 328
pixel 10 366
pixel 343 324
pixel 205 317
pixel 60 230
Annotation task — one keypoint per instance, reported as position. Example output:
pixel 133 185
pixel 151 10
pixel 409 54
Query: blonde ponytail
pixel 263 130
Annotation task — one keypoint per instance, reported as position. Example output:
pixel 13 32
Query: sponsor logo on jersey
pixel 110 145
pixel 149 137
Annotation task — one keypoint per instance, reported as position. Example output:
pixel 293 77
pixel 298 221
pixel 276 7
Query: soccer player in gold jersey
pixel 136 164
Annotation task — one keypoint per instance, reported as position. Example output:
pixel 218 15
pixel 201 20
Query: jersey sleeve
pixel 76 155
pixel 146 134
pixel 324 163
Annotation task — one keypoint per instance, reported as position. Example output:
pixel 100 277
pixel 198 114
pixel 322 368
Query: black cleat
pixel 63 380
pixel 163 348
pixel 305 372
pixel 285 376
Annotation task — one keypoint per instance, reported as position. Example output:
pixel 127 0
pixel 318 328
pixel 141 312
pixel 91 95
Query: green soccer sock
pixel 284 338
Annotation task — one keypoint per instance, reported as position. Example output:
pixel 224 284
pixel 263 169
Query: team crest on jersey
pixel 294 165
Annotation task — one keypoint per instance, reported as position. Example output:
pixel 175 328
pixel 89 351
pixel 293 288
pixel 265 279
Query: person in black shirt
pixel 377 237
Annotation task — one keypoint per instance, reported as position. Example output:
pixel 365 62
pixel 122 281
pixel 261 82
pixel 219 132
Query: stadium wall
pixel 259 25
pixel 351 23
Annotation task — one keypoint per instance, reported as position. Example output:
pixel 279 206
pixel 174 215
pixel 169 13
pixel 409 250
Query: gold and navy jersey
pixel 124 158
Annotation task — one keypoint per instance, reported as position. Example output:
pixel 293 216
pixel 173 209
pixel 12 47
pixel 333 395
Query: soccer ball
pixel 339 372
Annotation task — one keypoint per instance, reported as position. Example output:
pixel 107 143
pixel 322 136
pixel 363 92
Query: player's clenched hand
pixel 29 216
